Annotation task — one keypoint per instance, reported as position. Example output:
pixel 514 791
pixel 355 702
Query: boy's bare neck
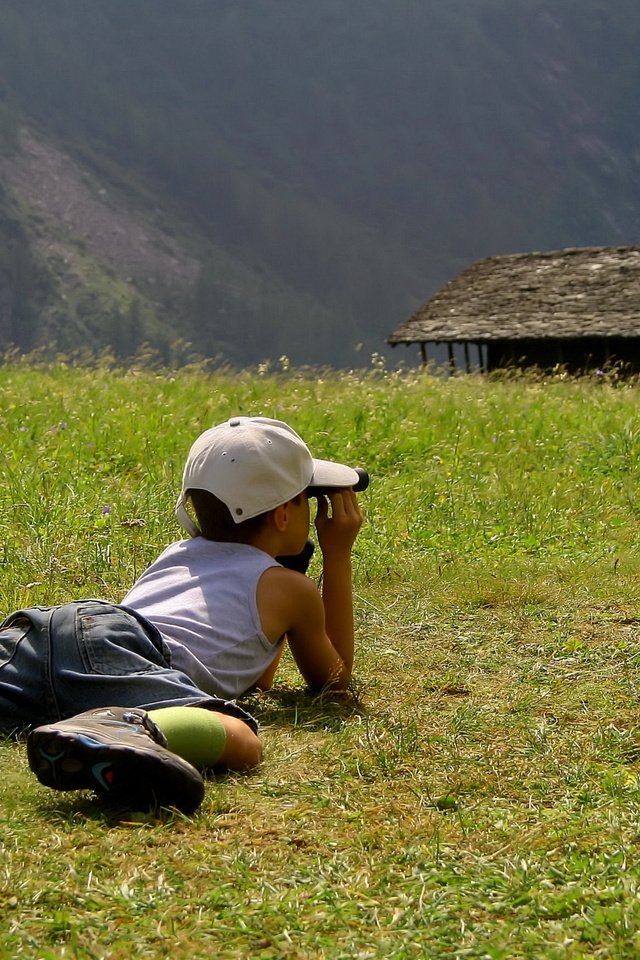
pixel 269 541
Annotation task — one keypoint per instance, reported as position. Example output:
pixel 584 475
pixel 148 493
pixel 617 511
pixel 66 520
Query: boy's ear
pixel 280 517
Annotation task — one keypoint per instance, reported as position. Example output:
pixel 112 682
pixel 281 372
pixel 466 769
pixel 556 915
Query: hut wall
pixel 585 353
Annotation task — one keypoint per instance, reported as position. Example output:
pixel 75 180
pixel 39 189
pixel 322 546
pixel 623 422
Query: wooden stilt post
pixel 452 359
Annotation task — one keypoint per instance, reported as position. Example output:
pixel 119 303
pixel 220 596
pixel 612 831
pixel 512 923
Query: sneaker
pixel 121 754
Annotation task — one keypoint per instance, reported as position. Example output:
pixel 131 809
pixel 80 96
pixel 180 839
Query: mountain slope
pixel 317 170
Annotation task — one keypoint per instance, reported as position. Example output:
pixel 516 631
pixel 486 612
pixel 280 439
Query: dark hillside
pixel 322 167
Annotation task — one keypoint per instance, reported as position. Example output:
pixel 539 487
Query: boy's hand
pixel 337 533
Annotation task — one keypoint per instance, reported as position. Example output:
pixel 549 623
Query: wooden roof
pixel 574 293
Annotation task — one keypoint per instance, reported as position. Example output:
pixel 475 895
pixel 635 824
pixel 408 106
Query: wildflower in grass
pixel 106 510
pixel 56 428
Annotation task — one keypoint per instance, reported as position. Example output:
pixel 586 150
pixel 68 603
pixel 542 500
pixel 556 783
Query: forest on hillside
pixel 329 165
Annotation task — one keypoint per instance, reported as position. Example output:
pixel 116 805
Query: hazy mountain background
pixel 268 177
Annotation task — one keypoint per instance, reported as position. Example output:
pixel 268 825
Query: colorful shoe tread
pixel 118 752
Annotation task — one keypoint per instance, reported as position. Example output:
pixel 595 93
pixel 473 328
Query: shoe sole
pixel 125 774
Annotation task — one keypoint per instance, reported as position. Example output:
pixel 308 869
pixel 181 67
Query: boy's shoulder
pixel 286 598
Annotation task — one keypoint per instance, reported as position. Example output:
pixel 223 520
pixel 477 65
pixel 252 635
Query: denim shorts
pixel 59 661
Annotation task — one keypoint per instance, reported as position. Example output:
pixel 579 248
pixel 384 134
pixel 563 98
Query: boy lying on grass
pixel 134 700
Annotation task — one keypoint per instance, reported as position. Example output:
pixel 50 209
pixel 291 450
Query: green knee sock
pixel 195 734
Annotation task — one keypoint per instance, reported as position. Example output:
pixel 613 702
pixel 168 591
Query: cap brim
pixel 329 474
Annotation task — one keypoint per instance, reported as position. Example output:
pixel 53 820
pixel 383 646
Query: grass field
pixel 476 795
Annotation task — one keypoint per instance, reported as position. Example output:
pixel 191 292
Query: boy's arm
pixel 319 628
pixel 291 604
pixel 336 536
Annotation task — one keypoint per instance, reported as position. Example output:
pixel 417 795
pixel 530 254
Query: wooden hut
pixel 578 307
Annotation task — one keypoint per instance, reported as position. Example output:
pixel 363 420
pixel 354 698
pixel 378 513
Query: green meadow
pixel 476 794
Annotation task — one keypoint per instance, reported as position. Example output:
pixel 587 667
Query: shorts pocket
pixel 114 643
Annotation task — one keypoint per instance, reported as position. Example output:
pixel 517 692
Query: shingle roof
pixel 584 292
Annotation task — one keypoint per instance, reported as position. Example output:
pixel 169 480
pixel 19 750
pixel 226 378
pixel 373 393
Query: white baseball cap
pixel 254 464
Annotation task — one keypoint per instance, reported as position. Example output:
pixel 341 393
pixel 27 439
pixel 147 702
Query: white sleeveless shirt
pixel 201 596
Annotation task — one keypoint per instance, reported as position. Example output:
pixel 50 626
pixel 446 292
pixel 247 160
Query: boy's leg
pixel 118 752
pixel 141 759
pixel 208 739
pixel 95 653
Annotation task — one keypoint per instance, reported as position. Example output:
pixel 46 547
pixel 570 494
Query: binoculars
pixel 361 484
